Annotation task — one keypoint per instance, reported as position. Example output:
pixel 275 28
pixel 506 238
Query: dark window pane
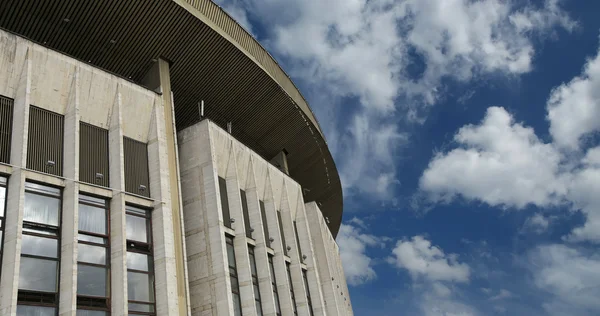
pixel 138 261
pixel 83 312
pixel 91 281
pixel 253 265
pixel 136 228
pixel 38 275
pixel 41 209
pixel 133 307
pixel 231 255
pixel 224 202
pixel 237 307
pixel 39 246
pixel 139 287
pixel 258 308
pixel 281 235
pixel 277 306
pixel 263 217
pixel 98 240
pixel 245 212
pixel 92 219
pixel 91 254
pixel 25 310
pixel 256 292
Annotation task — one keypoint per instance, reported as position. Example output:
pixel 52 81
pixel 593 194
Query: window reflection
pixel 24 310
pixel 140 271
pixel 91 281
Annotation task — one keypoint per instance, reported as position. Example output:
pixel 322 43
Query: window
pixel 289 274
pixel 137 179
pixel 281 235
pixel 6 117
pixel 246 215
pixel 308 299
pixel 93 154
pixel 298 242
pixel 257 300
pixel 233 277
pixel 38 277
pixel 263 216
pixel 224 202
pixel 274 283
pixel 45 141
pixel 2 214
pixel 140 267
pixel 93 273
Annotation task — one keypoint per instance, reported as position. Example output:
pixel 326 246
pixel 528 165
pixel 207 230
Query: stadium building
pixel 156 160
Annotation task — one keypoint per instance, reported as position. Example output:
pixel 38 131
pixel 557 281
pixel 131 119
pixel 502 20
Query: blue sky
pixel 466 136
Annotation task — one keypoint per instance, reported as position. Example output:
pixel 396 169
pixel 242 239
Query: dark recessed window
pixel 263 216
pixel 45 140
pixel 274 284
pixel 6 117
pixel 298 242
pixel 224 202
pixel 245 212
pixel 140 262
pixel 257 299
pixel 93 261
pixel 40 249
pixel 281 235
pixel 289 274
pixel 93 155
pixel 137 178
pixel 233 277
pixel 308 298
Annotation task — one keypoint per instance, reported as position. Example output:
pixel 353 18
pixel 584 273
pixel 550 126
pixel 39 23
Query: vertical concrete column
pixel 312 275
pixel 159 78
pixel 70 219
pixel 290 237
pixel 162 220
pixel 118 247
pixel 283 286
pixel 260 251
pixel 318 227
pixel 239 242
pixel 11 257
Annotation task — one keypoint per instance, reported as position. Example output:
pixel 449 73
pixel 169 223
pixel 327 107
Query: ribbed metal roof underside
pixel 124 37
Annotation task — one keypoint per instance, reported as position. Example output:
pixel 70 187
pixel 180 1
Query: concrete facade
pixel 190 262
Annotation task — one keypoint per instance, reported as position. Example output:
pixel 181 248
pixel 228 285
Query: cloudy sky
pixel 466 136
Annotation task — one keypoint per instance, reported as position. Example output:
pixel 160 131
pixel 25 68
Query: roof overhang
pixel 212 59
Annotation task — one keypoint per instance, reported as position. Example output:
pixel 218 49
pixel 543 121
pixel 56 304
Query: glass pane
pixel 234 284
pixel 93 200
pixel 253 264
pixel 91 254
pixel 98 240
pixel 24 310
pixel 133 307
pixel 138 261
pixel 135 210
pixel 258 308
pixel 91 280
pixel 92 219
pixel 83 312
pixel 237 309
pixel 231 255
pixel 42 188
pixel 2 200
pixel 39 246
pixel 139 287
pixel 277 307
pixel 38 275
pixel 136 228
pixel 41 209
pixel 256 292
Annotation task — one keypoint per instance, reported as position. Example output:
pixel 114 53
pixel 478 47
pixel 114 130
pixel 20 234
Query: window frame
pixel 224 200
pixel 246 214
pixel 292 294
pixel 27 297
pixel 88 298
pixel 263 217
pixel 254 274
pixel 307 289
pixel 282 234
pixel 146 248
pixel 274 285
pixel 233 272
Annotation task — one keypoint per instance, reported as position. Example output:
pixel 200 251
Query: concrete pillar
pixel 15 200
pixel 162 219
pixel 70 219
pixel 118 247
pixel 159 79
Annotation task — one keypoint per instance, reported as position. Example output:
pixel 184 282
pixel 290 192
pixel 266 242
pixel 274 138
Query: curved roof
pixel 212 59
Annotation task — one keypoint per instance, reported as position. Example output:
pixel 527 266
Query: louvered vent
pixel 6 115
pixel 136 167
pixel 93 155
pixel 45 141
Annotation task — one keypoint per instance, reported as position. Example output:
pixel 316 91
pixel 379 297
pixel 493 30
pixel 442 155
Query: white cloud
pixel 500 162
pixel 570 276
pixel 358 266
pixel 573 107
pixel 359 49
pixel 423 260
pixel 538 223
pixel 502 295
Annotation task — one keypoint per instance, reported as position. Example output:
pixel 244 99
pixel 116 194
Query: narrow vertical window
pixel 6 117
pixel 308 298
pixel 224 202
pixel 263 216
pixel 274 283
pixel 45 141
pixel 93 154
pixel 93 274
pixel 298 243
pixel 40 248
pixel 245 212
pixel 281 235
pixel 257 299
pixel 233 277
pixel 2 215
pixel 137 178
pixel 289 274
pixel 140 262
